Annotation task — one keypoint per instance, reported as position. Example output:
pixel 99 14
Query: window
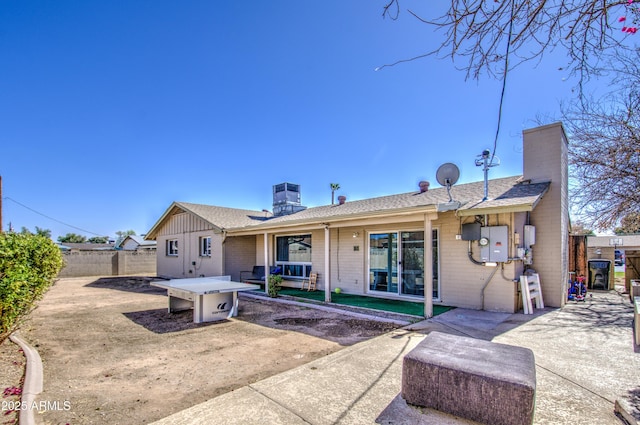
pixel 294 255
pixel 172 247
pixel 205 246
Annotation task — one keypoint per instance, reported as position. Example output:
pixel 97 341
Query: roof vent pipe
pixel 424 186
pixel 342 199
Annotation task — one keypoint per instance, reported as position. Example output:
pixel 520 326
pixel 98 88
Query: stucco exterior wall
pixel 546 159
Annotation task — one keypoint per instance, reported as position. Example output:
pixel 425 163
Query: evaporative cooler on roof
pixel 286 199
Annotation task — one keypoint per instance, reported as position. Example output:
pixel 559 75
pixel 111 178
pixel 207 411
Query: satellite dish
pixel 447 175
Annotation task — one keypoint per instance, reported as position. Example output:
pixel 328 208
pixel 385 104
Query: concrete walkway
pixel 585 362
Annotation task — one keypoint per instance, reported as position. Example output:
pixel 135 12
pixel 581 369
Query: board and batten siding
pixel 184 223
pixel 187 229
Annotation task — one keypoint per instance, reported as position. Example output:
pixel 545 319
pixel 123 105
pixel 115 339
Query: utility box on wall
pixel 494 244
pixel 471 232
pixel 529 235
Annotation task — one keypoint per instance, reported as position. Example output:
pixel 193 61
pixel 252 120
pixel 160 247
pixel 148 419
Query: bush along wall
pixel 28 267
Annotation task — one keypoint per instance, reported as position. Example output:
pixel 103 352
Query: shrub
pixel 275 283
pixel 28 265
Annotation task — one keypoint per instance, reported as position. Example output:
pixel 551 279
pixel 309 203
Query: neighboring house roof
pixel 85 246
pixel 509 194
pixel 139 240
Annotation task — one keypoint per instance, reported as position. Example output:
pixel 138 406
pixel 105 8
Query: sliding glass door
pixel 396 263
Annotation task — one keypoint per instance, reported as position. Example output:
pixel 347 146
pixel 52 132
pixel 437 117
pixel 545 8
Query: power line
pixel 51 218
pixel 504 84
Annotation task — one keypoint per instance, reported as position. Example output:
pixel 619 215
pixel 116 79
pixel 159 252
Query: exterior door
pixel 383 262
pixel 396 263
pixel 412 263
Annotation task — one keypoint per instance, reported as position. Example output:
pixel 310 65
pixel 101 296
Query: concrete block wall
pixel 348 263
pixel 108 263
pixel 462 281
pixel 239 255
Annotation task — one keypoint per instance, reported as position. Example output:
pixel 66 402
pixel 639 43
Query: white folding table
pixel 211 298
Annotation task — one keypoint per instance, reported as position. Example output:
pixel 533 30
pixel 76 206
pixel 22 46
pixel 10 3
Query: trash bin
pixel 599 271
pixel 635 289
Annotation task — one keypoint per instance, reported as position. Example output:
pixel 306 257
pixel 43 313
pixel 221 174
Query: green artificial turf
pixel 395 306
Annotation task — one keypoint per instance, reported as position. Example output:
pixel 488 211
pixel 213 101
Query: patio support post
pixel 327 262
pixel 428 265
pixel 266 263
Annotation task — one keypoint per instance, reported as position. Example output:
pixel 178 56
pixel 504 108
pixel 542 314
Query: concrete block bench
pixel 483 381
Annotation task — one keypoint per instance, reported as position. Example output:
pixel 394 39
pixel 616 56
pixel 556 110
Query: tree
pixel 334 187
pixel 579 228
pixel 43 232
pixel 604 153
pixel 39 231
pixel 629 224
pixel 99 239
pixel 72 238
pixel 495 35
pixel 122 234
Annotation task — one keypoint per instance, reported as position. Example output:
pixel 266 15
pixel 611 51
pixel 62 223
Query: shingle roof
pixel 224 217
pixel 522 196
pixel 506 194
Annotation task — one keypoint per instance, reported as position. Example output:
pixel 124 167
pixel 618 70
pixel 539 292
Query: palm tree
pixel 334 187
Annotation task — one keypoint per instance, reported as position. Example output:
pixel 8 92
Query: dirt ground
pixel 112 354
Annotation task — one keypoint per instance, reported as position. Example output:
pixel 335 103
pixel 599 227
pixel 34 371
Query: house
pixel 465 248
pixel 136 243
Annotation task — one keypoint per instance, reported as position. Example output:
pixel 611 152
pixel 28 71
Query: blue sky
pixel 110 111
